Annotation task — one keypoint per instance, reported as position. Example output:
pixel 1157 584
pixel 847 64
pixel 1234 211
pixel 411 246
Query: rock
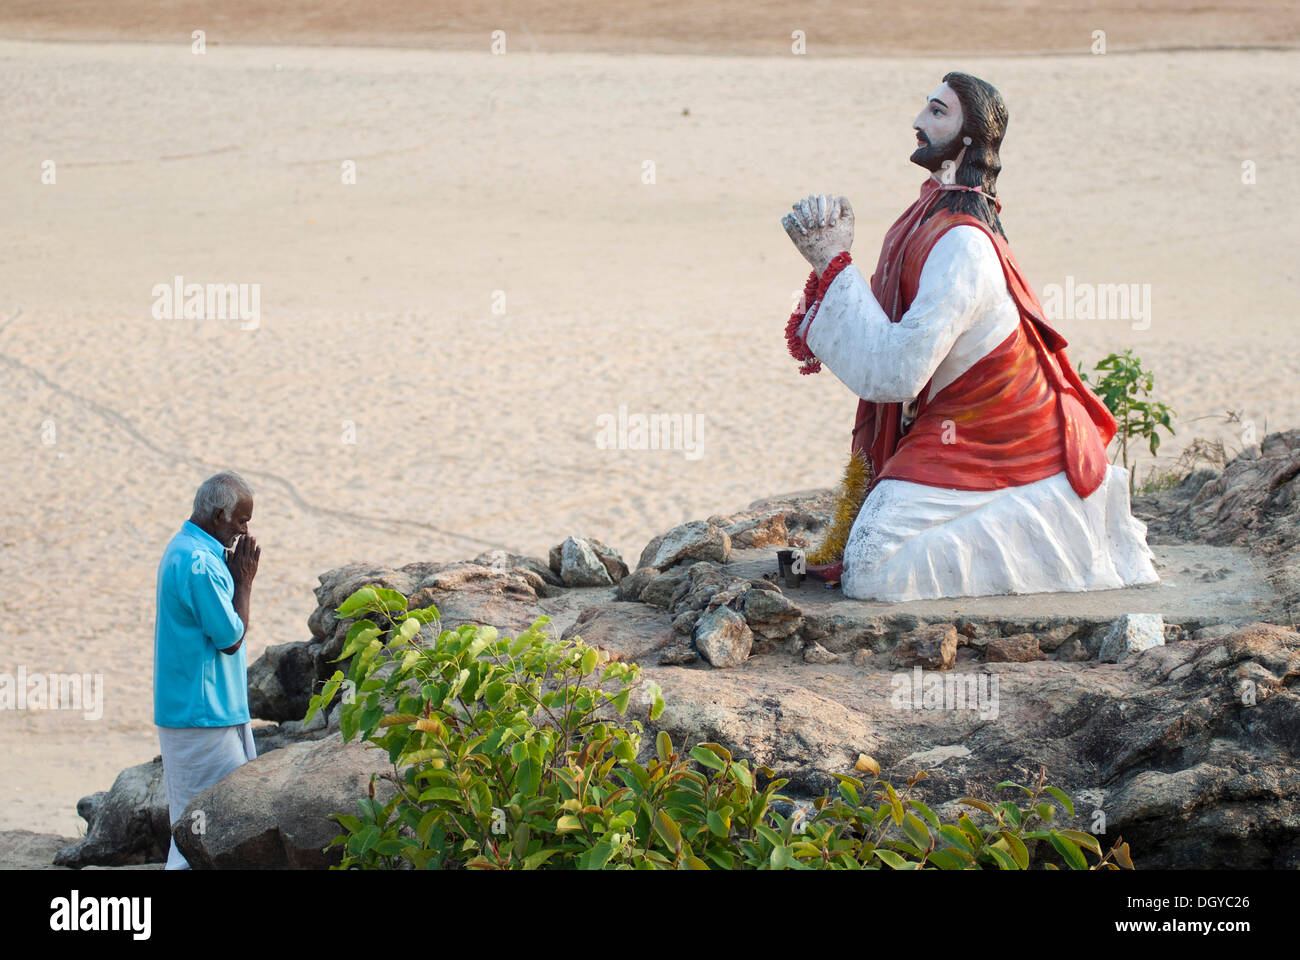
pixel 730 595
pixel 633 631
pixel 703 582
pixel 503 562
pixel 816 653
pixel 770 614
pixel 26 850
pixel 723 637
pixel 631 586
pixel 861 658
pixel 273 811
pixel 759 532
pixel 280 682
pixel 610 557
pixel 131 823
pixel 580 567
pixel 1021 648
pixel 678 654
pixel 697 540
pixel 1053 638
pixel 660 591
pixel 1215 630
pixel 684 622
pixel 1187 774
pixel 1132 633
pixel 1073 650
pixel 88 808
pixel 933 648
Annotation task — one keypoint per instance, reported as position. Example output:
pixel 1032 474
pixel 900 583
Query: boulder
pixel 933 648
pixel 723 638
pixel 816 653
pixel 630 631
pixel 660 591
pixel 274 810
pixel 580 567
pixel 280 682
pixel 1132 633
pixel 631 586
pixel 1021 648
pixel 131 822
pixel 697 540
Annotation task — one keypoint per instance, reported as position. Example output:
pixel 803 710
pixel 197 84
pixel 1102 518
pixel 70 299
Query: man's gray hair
pixel 221 491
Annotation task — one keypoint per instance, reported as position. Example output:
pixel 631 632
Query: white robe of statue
pixel 912 541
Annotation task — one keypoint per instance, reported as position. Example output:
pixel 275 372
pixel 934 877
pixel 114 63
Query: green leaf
pixel 440 793
pixel 916 831
pixel 707 758
pixel 957 838
pixel 782 858
pixel 1069 850
pixel 892 859
pixel 663 745
pixel 362 599
pixel 361 842
pixel 568 824
pixel 598 856
pixel 1060 795
pixel 1083 840
pixel 718 825
pixel 949 859
pixel 360 636
pixel 1004 859
pixel 1017 849
pixel 535 860
pixel 667 828
pixel 589 660
pixel 926 812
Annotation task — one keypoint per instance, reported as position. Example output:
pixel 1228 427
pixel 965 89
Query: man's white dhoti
pixel 194 758
pixel 916 542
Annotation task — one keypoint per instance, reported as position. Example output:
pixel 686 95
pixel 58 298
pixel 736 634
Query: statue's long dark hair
pixel 984 120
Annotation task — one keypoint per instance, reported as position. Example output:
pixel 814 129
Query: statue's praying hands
pixel 820 227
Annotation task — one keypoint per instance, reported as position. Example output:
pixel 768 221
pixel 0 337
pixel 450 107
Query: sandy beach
pixel 437 341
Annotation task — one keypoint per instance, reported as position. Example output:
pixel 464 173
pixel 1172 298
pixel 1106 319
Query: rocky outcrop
pixel 1254 502
pixel 128 824
pixel 1185 745
pixel 1161 748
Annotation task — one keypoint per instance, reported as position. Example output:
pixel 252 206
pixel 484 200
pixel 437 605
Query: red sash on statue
pixel 1020 414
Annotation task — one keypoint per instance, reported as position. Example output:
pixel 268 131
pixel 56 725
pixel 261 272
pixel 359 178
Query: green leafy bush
pixel 1125 388
pixel 509 754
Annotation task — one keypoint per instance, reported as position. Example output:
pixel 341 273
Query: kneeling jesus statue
pixel 986 452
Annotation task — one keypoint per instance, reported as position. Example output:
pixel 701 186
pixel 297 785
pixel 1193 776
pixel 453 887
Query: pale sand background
pixel 523 173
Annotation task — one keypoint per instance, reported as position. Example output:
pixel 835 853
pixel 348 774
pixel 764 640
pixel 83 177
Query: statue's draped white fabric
pixel 912 541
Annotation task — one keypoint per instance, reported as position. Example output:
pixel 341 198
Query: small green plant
pixel 1125 388
pixel 509 754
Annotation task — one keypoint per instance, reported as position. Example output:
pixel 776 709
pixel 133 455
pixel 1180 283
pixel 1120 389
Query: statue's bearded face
pixel 938 129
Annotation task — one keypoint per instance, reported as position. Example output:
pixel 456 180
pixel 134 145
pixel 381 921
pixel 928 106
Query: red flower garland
pixel 813 291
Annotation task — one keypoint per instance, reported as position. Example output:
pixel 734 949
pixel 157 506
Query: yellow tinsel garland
pixel 851 495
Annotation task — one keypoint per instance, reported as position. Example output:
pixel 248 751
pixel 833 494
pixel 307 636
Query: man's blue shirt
pixel 194 683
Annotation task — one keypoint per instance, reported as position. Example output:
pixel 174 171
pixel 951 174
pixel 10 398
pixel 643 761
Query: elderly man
pixel 200 672
pixel 987 452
